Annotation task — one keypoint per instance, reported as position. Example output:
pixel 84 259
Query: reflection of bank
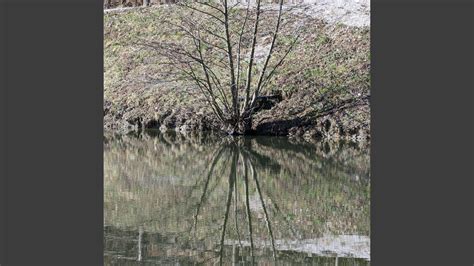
pixel 124 247
pixel 243 171
pixel 240 205
pixel 140 246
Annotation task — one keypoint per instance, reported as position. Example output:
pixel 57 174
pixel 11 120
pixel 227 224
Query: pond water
pixel 174 200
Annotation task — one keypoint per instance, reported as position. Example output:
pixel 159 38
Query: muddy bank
pixel 283 120
pixel 324 84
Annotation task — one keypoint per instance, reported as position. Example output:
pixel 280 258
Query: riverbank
pixel 324 83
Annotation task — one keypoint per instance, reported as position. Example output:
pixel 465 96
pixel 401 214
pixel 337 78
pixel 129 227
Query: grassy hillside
pixel 320 80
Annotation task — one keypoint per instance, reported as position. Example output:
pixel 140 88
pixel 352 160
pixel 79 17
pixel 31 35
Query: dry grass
pixel 331 64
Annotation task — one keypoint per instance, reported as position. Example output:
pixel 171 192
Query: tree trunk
pixel 240 126
pixel 245 125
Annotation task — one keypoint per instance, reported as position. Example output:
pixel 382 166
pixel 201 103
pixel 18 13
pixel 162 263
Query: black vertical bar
pixel 54 131
pixel 3 114
pixel 422 132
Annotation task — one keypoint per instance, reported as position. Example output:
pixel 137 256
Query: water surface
pixel 174 200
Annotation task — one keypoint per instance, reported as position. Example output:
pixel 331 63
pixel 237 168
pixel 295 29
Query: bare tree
pixel 217 53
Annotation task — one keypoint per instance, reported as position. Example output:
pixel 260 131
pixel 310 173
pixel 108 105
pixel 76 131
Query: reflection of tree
pixel 241 160
pixel 195 199
pixel 206 185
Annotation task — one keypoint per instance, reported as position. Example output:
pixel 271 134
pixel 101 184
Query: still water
pixel 174 200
